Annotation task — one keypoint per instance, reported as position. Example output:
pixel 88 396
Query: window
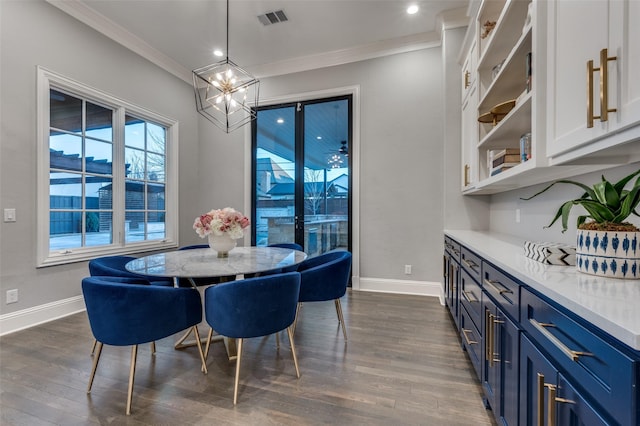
pixel 105 180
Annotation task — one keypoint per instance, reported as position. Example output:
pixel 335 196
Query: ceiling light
pixel 225 93
pixel 413 9
pixel 280 120
pixel 218 52
pixel 319 137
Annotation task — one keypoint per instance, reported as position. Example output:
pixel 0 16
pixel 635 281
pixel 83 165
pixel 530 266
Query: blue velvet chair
pixel 184 282
pixel 325 277
pixel 129 311
pixel 114 266
pixel 251 308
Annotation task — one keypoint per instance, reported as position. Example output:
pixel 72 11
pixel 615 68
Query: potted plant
pixel 606 244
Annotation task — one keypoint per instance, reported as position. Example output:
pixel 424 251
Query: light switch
pixel 9 215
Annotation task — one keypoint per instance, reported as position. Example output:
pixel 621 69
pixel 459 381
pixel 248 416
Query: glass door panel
pixel 274 186
pixel 326 176
pixel 301 180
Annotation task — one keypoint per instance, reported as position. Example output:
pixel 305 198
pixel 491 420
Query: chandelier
pixel 226 94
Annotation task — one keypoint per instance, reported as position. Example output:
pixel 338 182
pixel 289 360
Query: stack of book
pixel 503 159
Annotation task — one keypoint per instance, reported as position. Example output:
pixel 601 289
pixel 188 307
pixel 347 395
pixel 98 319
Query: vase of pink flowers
pixel 222 227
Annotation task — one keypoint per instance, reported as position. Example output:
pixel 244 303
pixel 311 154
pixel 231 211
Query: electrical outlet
pixel 517 215
pixel 12 296
pixel 407 269
pixel 9 215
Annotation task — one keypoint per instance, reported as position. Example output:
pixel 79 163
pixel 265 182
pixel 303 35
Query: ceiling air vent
pixel 272 17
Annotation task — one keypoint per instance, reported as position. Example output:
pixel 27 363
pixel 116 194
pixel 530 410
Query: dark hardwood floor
pixel 402 365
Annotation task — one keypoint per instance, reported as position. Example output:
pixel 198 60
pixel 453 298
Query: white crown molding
pixel 85 14
pixel 344 56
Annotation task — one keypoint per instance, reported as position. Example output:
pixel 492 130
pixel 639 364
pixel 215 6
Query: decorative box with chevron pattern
pixel 550 253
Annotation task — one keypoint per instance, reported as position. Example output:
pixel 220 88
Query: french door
pixel 301 188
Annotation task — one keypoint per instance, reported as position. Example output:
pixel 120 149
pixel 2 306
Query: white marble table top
pixel 611 304
pixel 198 263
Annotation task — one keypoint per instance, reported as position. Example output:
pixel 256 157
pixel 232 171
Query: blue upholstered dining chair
pixel 325 277
pixel 129 311
pixel 252 308
pixel 114 266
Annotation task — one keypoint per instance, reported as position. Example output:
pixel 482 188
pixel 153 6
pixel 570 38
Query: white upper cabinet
pixel 593 81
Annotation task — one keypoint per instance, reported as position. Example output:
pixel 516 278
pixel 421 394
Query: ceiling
pixel 180 35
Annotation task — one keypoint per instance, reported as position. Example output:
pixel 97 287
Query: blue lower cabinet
pixel 450 276
pixel 501 339
pixel 471 340
pixel 548 397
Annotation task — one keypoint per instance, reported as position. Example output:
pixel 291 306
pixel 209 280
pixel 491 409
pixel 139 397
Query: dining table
pixel 205 263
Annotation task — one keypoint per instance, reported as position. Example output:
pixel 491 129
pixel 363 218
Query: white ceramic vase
pixel 222 244
pixel 608 253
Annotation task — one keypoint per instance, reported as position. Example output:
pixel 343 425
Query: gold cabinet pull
pixel 540 389
pixel 551 409
pixel 542 328
pixel 604 88
pixel 470 263
pixel 487 321
pixel 467 81
pixel 491 342
pixel 465 294
pixel 492 284
pixel 466 175
pixel 469 342
pixel 604 85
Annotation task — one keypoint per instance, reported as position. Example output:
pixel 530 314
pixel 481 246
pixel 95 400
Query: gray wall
pixel 537 213
pixel 401 179
pixel 35 33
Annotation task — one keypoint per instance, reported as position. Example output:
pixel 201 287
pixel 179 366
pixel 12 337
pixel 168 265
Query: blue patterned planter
pixel 608 253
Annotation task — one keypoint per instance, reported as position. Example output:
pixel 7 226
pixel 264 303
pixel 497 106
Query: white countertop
pixel 610 304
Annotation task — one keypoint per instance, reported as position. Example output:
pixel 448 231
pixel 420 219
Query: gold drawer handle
pixel 470 263
pixel 467 298
pixel 551 409
pixel 492 284
pixel 542 328
pixel 604 88
pixel 469 342
pixel 467 83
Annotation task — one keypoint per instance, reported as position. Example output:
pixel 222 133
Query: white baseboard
pixel 16 321
pixel 419 288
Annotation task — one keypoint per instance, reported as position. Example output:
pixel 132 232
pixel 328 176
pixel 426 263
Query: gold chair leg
pixel 93 348
pixel 238 358
pixel 153 348
pixel 341 318
pixel 209 337
pixel 96 359
pixel 278 339
pixel 132 372
pixel 199 345
pixel 293 351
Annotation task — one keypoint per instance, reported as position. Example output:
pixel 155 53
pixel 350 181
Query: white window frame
pixel 45 81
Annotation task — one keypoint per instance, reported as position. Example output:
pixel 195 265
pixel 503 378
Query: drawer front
pixel 503 289
pixel 605 374
pixel 471 297
pixel 471 263
pixel 471 340
pixel 452 247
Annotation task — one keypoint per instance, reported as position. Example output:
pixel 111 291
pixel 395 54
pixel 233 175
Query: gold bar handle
pixel 492 284
pixel 470 263
pixel 487 349
pixel 540 389
pixel 604 85
pixel 551 409
pixel 469 342
pixel 542 328
pixel 465 294
pixel 491 342
pixel 452 277
pixel 467 81
pixel 590 71
pixel 466 175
